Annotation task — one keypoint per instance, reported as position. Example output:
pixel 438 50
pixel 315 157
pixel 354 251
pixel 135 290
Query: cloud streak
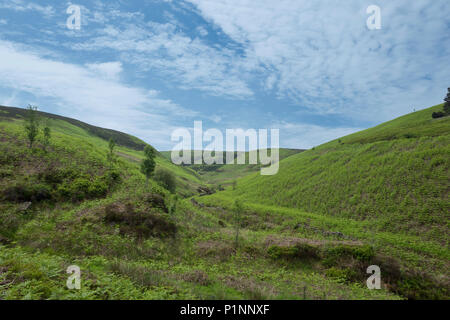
pixel 86 93
pixel 321 56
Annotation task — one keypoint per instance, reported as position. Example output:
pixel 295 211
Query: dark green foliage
pixel 27 192
pixel 83 188
pixel 139 223
pixel 31 124
pixel 446 111
pixel 447 103
pixel 438 114
pixel 297 251
pixel 165 179
pixel 419 286
pixel 335 255
pixel 148 164
pixel 156 200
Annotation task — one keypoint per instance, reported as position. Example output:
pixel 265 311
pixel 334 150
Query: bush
pixel 300 250
pixel 343 252
pixel 141 224
pixel 156 201
pixel 438 114
pixel 24 192
pixel 83 188
pixel 165 179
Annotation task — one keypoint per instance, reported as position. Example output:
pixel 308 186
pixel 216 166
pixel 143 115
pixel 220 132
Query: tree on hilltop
pixel 447 103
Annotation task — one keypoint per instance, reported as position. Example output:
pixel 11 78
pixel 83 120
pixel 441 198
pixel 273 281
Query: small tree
pixel 234 184
pixel 165 179
pixel 447 103
pixel 31 124
pixel 148 164
pixel 111 156
pixel 47 135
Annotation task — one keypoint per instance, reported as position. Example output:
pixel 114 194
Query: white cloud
pixel 107 70
pixel 321 55
pixel 202 31
pixel 188 62
pixel 20 5
pixel 82 93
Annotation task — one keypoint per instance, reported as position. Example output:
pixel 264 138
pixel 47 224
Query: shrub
pixel 438 114
pixel 97 189
pixel 82 188
pixel 156 201
pixel 165 179
pixel 24 192
pixel 138 223
pixel 300 250
pixel 334 255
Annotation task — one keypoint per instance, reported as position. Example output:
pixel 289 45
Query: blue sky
pixel 309 68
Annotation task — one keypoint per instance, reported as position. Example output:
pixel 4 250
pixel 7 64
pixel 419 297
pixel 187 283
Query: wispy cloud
pixel 311 67
pixel 86 93
pixel 187 61
pixel 321 55
pixel 20 5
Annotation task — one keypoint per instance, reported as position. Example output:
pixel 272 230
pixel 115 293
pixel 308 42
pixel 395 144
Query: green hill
pixel 225 174
pixel 72 132
pixel 396 172
pixel 387 186
pixel 64 205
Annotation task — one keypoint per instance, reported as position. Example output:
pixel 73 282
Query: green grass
pixel 225 174
pixel 387 186
pixel 402 183
pixel 292 244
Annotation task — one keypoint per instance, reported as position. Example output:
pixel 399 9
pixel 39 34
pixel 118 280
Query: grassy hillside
pixel 225 174
pixel 64 206
pixel 122 139
pixel 68 132
pixel 387 186
pixel 396 173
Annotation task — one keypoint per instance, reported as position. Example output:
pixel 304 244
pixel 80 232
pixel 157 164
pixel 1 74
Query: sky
pixel 312 69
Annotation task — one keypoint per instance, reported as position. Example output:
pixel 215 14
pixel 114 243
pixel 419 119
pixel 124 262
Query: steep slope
pixel 396 172
pixel 121 138
pixel 65 205
pixel 386 187
pixel 129 147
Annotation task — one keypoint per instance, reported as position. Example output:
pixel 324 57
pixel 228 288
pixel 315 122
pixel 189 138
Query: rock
pixel 204 191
